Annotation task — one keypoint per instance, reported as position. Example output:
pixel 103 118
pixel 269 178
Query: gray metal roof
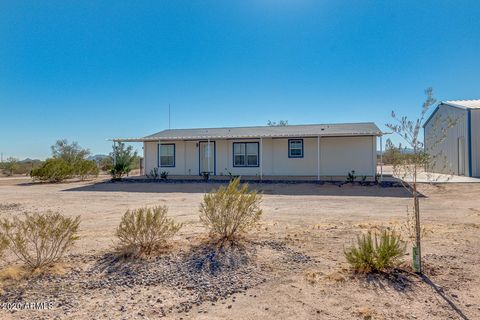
pixel 311 130
pixel 464 104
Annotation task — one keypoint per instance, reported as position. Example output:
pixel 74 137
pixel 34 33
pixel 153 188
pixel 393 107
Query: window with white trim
pixel 166 155
pixel 295 148
pixel 245 154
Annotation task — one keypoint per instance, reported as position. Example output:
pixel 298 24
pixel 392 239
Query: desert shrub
pixel 40 239
pixel 376 252
pixel 143 230
pixel 84 168
pixel 230 210
pixel 53 170
pixel 3 244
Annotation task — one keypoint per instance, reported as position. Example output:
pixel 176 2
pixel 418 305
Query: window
pixel 245 154
pixel 295 148
pixel 166 153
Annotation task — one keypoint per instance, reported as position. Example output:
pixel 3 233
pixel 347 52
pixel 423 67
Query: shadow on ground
pixel 307 189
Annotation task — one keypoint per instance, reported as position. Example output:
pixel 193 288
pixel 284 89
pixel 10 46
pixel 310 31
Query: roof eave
pixel 245 137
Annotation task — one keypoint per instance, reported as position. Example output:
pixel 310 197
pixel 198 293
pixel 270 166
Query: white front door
pixel 207 157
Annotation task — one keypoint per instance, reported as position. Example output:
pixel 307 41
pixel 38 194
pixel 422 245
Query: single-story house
pixel 309 151
pixel 452 137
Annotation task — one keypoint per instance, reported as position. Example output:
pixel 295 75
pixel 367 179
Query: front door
pixel 207 157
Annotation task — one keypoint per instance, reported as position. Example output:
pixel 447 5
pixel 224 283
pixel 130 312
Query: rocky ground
pixel 290 267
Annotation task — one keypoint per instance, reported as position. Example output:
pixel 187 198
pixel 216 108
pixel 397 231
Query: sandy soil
pixel 296 254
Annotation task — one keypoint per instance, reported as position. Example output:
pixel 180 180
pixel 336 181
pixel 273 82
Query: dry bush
pixel 231 210
pixel 143 230
pixel 40 239
pixel 376 252
pixel 3 244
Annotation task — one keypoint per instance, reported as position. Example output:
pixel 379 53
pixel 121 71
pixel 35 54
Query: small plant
pixel 376 252
pixel 206 176
pixel 153 174
pixel 144 230
pixel 53 170
pixel 351 177
pixel 40 239
pixel 230 210
pixel 164 175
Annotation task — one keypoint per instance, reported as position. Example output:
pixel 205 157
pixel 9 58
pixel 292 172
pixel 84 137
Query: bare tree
pixel 11 165
pixel 71 153
pixel 410 160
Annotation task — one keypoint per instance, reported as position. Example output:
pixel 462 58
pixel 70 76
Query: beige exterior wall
pixel 446 152
pixel 338 156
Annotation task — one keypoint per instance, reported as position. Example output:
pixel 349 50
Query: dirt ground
pixel 294 267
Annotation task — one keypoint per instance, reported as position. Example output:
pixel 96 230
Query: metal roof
pixel 464 104
pixel 461 104
pixel 311 130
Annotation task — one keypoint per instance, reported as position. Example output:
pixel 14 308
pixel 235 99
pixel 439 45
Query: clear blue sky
pixel 90 70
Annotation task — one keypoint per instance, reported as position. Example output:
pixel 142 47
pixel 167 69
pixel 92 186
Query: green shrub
pixel 53 170
pixel 144 230
pixel 84 168
pixel 40 239
pixel 376 252
pixel 230 210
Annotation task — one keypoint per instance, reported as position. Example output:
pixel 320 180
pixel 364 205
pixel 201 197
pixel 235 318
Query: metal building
pixel 452 137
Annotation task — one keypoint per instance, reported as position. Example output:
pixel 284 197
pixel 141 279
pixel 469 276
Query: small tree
pixel 71 153
pixel 123 159
pixel 230 210
pixel 11 165
pixel 408 161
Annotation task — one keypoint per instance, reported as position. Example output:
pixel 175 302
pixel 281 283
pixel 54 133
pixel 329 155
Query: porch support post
pixel 159 156
pixel 381 158
pixel 208 155
pixel 318 158
pixel 261 158
pixel 114 154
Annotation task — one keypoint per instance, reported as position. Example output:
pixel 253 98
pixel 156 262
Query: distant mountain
pixel 98 157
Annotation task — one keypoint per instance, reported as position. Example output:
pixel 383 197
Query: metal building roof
pixel 311 130
pixel 464 104
pixel 461 104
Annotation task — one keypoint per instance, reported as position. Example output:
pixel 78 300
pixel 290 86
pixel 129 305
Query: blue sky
pixel 90 70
